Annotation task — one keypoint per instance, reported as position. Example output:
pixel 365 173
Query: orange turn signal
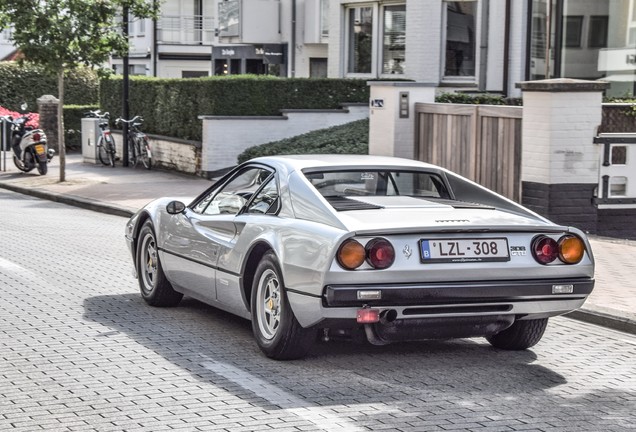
pixel 351 254
pixel 571 249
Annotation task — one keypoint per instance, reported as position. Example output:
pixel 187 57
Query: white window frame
pixel 380 51
pixel 468 79
pixel 374 42
pixel 377 43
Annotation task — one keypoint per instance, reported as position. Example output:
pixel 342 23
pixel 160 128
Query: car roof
pixel 301 162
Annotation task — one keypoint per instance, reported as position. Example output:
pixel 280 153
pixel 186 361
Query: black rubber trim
pixel 457 293
pixel 200 262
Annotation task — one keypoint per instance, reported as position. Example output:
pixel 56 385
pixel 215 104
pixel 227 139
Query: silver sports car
pixel 386 249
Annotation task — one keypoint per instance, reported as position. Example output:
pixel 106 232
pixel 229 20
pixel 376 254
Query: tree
pixel 66 34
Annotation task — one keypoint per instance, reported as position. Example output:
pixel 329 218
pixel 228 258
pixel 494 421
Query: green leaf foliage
pixel 171 107
pixel 27 82
pixel 73 115
pixel 350 138
pixel 476 99
pixel 61 34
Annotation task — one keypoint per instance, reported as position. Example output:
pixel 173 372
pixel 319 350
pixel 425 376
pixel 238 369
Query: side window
pixel 265 201
pixel 232 196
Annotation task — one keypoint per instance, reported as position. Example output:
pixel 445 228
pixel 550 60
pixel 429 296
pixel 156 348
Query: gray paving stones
pixel 79 350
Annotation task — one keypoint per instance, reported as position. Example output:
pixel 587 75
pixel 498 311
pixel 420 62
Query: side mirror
pixel 175 207
pixel 24 106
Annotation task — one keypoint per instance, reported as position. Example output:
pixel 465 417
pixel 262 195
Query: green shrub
pixel 73 124
pixel 476 99
pixel 171 107
pixel 350 138
pixel 26 83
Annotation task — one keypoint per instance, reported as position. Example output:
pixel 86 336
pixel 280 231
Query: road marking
pixel 9 265
pixel 322 418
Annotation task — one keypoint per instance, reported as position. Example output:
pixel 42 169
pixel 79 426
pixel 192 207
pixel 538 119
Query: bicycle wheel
pixel 144 151
pixel 132 153
pixel 102 151
pixel 110 149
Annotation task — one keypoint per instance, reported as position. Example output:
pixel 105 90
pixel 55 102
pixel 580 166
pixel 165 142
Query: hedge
pixel 26 83
pixel 476 99
pixel 171 107
pixel 350 138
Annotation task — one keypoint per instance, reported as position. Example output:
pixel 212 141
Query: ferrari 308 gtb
pixel 347 246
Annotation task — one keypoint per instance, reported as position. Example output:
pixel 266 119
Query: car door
pixel 211 232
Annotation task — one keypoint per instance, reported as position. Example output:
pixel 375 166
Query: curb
pixel 603 319
pixel 76 201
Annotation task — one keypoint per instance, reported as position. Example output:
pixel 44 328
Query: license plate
pixel 39 149
pixel 464 250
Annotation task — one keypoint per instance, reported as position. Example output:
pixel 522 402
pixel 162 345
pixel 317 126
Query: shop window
pixel 460 38
pixel 573 31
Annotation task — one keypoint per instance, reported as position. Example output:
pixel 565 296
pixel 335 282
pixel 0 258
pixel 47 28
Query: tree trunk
pixel 60 124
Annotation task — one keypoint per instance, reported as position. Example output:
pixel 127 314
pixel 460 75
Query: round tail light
pixel 545 249
pixel 571 249
pixel 380 253
pixel 351 254
pixel 36 137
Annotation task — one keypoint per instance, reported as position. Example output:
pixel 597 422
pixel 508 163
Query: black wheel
pixel 277 332
pixel 111 150
pixel 520 335
pixel 43 168
pixel 144 152
pixel 102 152
pixel 133 151
pixel 155 288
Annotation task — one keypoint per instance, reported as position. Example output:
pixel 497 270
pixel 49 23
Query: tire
pixel 276 329
pixel 155 288
pixel 144 155
pixel 520 335
pixel 132 153
pixel 43 168
pixel 106 152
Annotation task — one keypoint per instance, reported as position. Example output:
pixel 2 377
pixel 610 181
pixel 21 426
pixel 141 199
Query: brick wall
pixel 170 153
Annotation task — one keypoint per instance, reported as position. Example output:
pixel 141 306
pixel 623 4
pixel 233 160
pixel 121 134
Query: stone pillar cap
pixel 557 85
pixel 48 98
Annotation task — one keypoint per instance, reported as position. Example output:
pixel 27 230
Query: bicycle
pixel 138 144
pixel 106 150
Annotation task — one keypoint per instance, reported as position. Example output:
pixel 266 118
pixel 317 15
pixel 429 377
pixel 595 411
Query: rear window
pixel 378 183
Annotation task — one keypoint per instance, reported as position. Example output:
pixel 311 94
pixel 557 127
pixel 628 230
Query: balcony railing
pixel 185 29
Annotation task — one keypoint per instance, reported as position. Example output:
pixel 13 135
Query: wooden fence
pixel 480 142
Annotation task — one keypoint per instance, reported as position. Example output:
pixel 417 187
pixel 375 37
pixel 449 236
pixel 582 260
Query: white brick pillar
pixel 560 162
pixel 392 116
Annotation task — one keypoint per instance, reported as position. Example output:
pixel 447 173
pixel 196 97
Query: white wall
pixel 558 132
pixel 224 138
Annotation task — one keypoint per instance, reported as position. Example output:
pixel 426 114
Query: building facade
pixel 467 45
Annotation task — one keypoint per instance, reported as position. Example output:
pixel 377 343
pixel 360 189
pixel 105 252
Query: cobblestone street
pixel 80 350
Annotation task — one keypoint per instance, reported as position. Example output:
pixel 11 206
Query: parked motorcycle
pixel 30 149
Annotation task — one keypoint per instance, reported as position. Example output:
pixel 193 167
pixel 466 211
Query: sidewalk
pixel 121 191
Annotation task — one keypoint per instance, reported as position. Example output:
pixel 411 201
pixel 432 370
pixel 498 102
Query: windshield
pixel 378 183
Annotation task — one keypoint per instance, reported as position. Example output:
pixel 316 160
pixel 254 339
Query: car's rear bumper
pixel 523 299
pixel 458 293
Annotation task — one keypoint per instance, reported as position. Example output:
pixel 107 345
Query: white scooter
pixel 30 149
